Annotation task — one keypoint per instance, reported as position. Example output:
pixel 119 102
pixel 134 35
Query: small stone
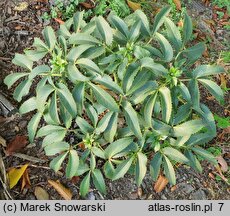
pixel 22 124
pixel 186 188
pixel 91 196
pixel 198 195
pixel 163 197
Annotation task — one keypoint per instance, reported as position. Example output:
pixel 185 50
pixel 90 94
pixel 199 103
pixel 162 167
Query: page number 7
pixel 221 205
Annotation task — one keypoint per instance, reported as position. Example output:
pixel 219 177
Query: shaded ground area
pixel 17 30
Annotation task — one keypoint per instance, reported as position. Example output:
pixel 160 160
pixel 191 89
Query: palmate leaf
pixel 134 32
pixel 205 154
pixel 22 89
pixel 104 98
pixel 84 186
pixel 53 109
pixel 56 147
pixel 78 95
pixel 92 113
pixel 145 28
pixel 83 38
pixel 84 125
pixel 22 61
pixel 194 92
pixel 28 105
pixel 56 136
pixel 33 125
pixel 207 70
pixel 148 109
pixel 75 74
pixel 88 64
pixel 183 112
pixel 56 163
pixel 39 70
pixel 105 30
pixel 103 123
pixel 48 129
pixel 193 161
pixel 111 129
pixel 76 52
pixel 77 20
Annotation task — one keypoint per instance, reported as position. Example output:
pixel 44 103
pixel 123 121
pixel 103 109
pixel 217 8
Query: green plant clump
pixel 116 95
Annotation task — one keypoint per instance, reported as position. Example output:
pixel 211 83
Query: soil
pixel 17 30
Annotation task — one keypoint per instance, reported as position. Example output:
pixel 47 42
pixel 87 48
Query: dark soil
pixel 17 30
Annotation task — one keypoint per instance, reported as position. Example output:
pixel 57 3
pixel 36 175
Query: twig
pixel 29 158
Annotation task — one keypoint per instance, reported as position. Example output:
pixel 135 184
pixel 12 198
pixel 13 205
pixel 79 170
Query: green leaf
pixel 207 70
pixel 77 20
pixel 38 70
pixel 12 78
pixel 92 162
pixel 82 168
pixel 140 94
pixel 205 154
pixel 140 167
pixel 107 81
pixel 166 103
pixel 75 74
pixel 35 55
pixel 56 136
pixel 84 125
pixel 134 31
pixel 184 92
pixel 166 47
pixel 195 93
pixel 169 171
pixel 200 138
pixel 148 109
pixel 48 129
pixel 155 165
pixel 55 164
pixel 160 127
pixel 93 52
pixel 92 113
pixel 50 37
pixel 109 169
pixel 63 31
pixel 42 94
pixel 173 34
pixel 188 128
pixel 84 186
pixel 193 161
pixel 129 76
pixel 105 30
pixel 65 116
pixel 22 89
pixel 155 68
pixel 56 147
pixel 22 61
pixel 40 45
pixel 187 28
pixel 119 24
pixel 184 111
pixel 33 125
pixel 28 105
pixel 159 19
pixel 111 129
pixel 53 110
pixel 77 51
pixel 174 154
pixel 104 98
pixel 78 95
pixel 66 99
pixel 122 168
pixel 145 29
pixel 98 152
pixel 117 146
pixel 103 123
pixel 98 181
pixel 213 88
pixel 73 164
pixel 132 119
pixel 88 64
pixel 83 38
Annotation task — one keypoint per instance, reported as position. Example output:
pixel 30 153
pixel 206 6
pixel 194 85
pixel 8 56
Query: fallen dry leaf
pixel 223 81
pixel 139 192
pixel 87 5
pixel 223 163
pixel 211 176
pixel 2 141
pixel 178 4
pixel 59 21
pixel 16 144
pixel 25 180
pixel 41 194
pixel 160 184
pixel 173 188
pixel 63 191
pixel 15 174
pixel 133 5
